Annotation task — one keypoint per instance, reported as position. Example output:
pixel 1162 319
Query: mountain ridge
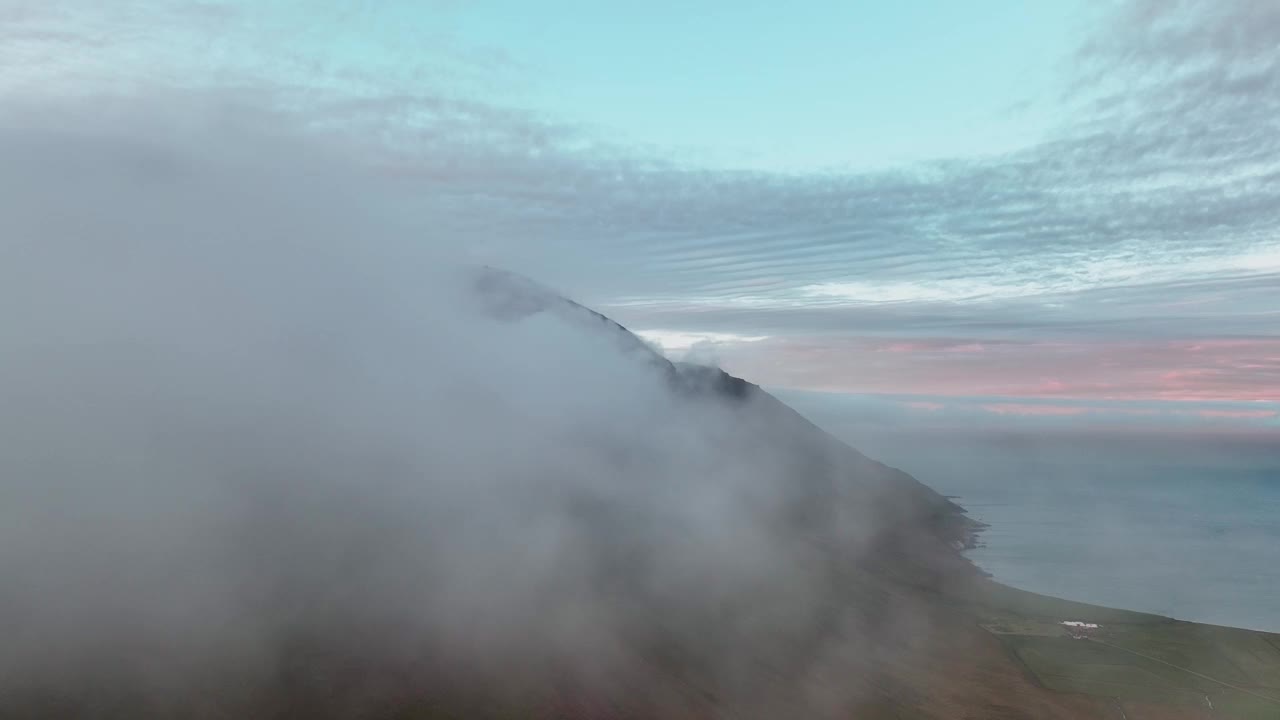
pixel 976 623
pixel 392 495
pixel 509 295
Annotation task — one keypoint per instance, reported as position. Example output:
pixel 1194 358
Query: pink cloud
pixel 933 345
pixel 906 347
pixel 1244 370
pixel 1020 409
pixel 1052 386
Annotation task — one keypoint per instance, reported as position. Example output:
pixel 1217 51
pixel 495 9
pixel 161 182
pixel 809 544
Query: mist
pixel 268 447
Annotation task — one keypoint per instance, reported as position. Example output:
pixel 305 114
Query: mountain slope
pixel 888 642
pixel 916 631
pixel 378 491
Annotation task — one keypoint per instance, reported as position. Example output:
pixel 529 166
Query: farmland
pixel 1145 664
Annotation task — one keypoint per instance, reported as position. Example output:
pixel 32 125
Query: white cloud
pixel 677 342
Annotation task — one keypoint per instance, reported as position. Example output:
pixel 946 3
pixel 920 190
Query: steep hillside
pixel 914 630
pixel 488 501
pixel 826 467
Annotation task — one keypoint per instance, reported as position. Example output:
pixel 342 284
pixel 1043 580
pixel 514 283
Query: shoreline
pixel 973 530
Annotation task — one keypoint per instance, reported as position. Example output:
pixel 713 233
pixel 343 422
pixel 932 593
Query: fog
pixel 263 447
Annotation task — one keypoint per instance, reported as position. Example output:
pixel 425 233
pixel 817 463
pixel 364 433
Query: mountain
pixel 917 631
pixel 498 503
pixel 910 506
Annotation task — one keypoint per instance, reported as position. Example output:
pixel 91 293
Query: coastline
pixel 972 538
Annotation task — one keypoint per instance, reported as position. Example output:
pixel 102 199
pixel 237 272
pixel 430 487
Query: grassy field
pixel 1135 658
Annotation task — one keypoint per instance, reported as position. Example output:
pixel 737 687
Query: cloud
pixel 682 341
pixel 870 419
pixel 263 449
pixel 1236 370
pixel 1151 213
pixel 1017 409
pixel 197 249
pixel 1070 216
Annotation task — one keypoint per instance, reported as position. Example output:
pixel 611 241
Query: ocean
pixel 1183 526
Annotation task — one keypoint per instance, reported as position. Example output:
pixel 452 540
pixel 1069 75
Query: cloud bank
pixel 267 453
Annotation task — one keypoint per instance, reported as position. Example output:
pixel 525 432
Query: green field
pixel 1135 657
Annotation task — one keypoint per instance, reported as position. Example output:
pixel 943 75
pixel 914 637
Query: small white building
pixel 1078 629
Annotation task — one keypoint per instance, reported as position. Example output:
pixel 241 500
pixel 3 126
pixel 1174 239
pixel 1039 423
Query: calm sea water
pixel 1181 526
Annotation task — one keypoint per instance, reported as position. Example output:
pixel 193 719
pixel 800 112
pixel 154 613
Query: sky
pixel 1004 214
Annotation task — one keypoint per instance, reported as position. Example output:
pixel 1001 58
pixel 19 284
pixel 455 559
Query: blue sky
pixel 728 85
pixel 789 87
pixel 1031 214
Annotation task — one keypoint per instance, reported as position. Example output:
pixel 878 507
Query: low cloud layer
pixel 264 454
pixel 1149 212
